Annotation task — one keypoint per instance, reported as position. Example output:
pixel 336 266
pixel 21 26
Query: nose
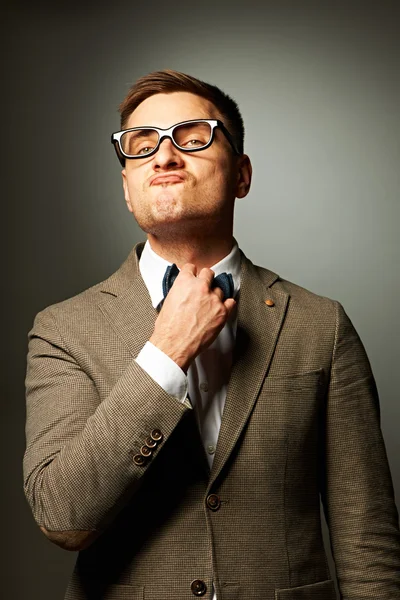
pixel 167 156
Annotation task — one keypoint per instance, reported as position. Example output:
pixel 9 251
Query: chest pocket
pixel 290 411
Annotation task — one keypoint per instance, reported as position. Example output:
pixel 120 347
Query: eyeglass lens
pixel 189 136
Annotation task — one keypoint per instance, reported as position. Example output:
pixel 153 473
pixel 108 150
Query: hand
pixel 192 316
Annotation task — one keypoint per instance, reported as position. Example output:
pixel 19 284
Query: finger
pixel 207 275
pixel 230 304
pixel 189 268
pixel 217 290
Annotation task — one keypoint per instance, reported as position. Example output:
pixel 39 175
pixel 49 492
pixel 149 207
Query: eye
pixel 193 143
pixel 145 150
pixel 192 135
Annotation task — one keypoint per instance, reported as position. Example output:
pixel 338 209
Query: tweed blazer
pixel 300 424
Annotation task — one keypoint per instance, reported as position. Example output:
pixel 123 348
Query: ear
pixel 245 171
pixel 126 190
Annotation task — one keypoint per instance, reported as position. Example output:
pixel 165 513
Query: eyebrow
pixel 142 133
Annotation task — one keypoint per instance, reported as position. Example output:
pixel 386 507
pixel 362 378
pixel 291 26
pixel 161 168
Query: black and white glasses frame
pixel 168 133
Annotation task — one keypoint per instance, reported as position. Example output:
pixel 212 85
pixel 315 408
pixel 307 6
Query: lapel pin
pixel 269 302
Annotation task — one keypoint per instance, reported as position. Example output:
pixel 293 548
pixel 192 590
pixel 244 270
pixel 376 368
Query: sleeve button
pixel 150 442
pixel 139 460
pixel 156 435
pixel 145 451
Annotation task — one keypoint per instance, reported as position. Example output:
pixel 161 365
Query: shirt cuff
pixel 163 370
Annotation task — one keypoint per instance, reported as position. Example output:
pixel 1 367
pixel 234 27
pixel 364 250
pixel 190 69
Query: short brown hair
pixel 168 81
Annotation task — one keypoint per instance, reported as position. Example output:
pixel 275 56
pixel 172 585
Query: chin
pixel 174 227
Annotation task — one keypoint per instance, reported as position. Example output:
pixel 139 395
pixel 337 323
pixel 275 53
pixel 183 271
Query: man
pixel 182 429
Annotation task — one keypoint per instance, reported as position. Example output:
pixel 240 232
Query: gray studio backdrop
pixel 318 86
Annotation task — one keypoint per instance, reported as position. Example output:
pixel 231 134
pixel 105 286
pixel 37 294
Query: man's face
pixel 173 192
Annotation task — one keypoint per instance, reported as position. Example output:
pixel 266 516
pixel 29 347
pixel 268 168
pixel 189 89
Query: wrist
pixel 178 354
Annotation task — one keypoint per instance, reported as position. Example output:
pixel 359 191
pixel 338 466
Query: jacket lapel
pixel 127 304
pixel 258 328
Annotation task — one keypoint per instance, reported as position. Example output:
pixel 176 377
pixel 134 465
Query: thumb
pixel 229 304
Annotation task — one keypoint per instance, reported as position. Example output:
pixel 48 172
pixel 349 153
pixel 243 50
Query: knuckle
pixel 188 268
pixel 203 286
pixel 215 301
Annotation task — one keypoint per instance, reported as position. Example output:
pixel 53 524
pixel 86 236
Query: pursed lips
pixel 158 180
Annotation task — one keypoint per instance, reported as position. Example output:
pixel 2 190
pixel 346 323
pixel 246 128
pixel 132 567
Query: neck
pixel 202 251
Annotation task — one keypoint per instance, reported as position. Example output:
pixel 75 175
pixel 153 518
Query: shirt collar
pixel 152 268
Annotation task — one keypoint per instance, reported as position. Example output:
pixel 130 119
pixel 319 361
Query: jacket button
pixel 139 460
pixel 156 435
pixel 145 451
pixel 213 502
pixel 198 587
pixel 150 442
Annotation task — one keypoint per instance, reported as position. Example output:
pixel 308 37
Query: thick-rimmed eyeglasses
pixel 188 136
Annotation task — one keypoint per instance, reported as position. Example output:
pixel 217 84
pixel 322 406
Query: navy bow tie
pixel 223 281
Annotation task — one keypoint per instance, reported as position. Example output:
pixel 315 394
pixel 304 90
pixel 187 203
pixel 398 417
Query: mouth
pixel 162 179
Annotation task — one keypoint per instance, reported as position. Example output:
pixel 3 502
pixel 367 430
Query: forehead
pixel 164 110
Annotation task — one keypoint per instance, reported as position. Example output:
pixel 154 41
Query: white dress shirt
pixel 208 375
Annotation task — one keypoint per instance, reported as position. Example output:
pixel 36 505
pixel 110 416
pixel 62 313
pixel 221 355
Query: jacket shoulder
pixel 84 303
pixel 302 294
pixel 298 294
